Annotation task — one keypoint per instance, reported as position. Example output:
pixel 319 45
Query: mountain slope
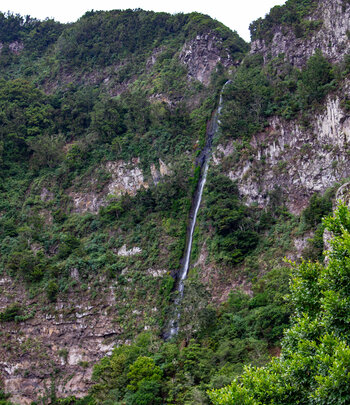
pixel 102 130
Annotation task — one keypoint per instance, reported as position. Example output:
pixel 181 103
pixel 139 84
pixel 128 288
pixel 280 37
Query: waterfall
pixel 204 162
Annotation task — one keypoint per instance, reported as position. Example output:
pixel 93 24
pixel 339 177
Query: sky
pixel 236 14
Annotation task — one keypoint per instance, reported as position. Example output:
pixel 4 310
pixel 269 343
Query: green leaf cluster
pixel 314 363
pixel 261 90
pixel 291 14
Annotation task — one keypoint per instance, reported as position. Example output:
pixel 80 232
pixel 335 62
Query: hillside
pixel 104 123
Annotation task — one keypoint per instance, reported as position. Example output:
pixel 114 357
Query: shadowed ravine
pixel 173 327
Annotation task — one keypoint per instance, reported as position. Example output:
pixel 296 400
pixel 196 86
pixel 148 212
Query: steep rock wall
pixel 300 161
pixel 202 54
pixel 58 345
pixel 332 38
pixel 125 178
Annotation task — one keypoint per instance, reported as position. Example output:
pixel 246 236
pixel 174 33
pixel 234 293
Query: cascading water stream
pixel 206 154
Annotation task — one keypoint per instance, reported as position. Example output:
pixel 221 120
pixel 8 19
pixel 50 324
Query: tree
pixel 48 150
pixel 315 361
pixel 143 369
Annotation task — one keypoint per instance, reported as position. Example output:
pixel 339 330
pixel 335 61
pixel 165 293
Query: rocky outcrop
pixel 158 174
pixel 15 47
pixel 343 194
pixel 125 178
pixel 301 161
pixel 332 38
pixel 58 345
pixel 123 251
pixel 202 54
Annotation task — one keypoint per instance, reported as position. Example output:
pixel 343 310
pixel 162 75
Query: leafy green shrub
pixel 112 211
pixel 11 313
pixel 316 79
pixel 52 290
pixel 236 233
pixel 315 351
pixel 48 150
pixel 30 266
pixel 319 206
pixel 69 245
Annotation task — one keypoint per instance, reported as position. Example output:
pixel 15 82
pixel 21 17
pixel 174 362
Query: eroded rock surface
pixel 331 38
pixel 202 54
pixel 58 345
pixel 125 178
pixel 291 160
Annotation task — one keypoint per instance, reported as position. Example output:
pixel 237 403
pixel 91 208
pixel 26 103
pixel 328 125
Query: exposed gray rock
pixel 202 54
pixel 164 170
pixel 16 47
pixel 126 178
pixel 331 38
pixel 292 159
pixel 69 339
pixel 123 251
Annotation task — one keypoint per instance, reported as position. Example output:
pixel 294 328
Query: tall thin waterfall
pixel 204 162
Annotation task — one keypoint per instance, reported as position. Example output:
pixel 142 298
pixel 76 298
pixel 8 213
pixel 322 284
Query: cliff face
pixel 332 36
pixel 291 158
pixel 71 336
pixel 54 344
pixel 201 56
pixel 292 161
pixel 116 277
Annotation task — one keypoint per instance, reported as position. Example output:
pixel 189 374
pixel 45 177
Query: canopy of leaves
pixel 104 38
pixel 35 35
pixel 291 14
pixel 313 367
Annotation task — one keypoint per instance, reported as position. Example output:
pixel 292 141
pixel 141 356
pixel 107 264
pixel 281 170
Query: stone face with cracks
pixel 299 161
pixel 202 54
pixel 125 178
pixel 70 339
pixel 331 38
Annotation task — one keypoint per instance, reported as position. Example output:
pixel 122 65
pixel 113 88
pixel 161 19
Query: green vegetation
pixel 291 15
pixel 58 136
pixel 4 398
pixel 315 349
pixel 79 102
pixel 259 91
pixel 10 313
pixel 15 312
pixel 106 38
pixel 235 227
pixel 36 35
pixel 242 330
